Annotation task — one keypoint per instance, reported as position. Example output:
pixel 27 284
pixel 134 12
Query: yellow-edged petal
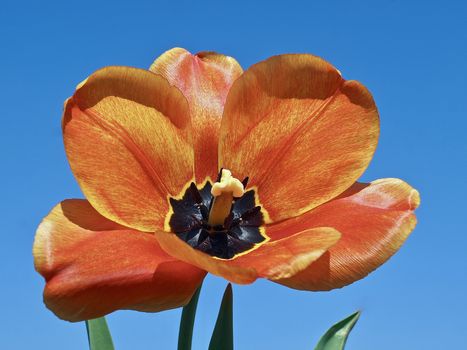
pixel 127 135
pixel 300 132
pixel 374 220
pixel 275 259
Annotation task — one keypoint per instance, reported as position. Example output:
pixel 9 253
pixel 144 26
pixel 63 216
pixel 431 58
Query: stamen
pixel 195 193
pixel 224 192
pixel 251 212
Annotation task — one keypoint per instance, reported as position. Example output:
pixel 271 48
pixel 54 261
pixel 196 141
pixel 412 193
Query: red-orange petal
pixel 205 79
pixel 274 259
pixel 93 266
pixel 374 219
pixel 299 131
pixel 127 135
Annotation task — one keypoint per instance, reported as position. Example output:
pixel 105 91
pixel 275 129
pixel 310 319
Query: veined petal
pixel 127 135
pixel 299 131
pixel 374 219
pixel 275 259
pixel 205 79
pixel 93 266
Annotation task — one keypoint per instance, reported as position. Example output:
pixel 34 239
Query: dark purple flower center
pixel 239 233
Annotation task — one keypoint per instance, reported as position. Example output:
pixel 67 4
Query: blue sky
pixel 410 54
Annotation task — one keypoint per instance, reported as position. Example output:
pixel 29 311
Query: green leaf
pixel 185 334
pixel 222 336
pixel 99 335
pixel 336 337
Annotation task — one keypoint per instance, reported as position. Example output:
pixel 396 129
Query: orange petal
pixel 128 140
pixel 274 259
pixel 205 79
pixel 299 131
pixel 374 219
pixel 93 266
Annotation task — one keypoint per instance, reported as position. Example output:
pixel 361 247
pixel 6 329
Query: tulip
pixel 195 166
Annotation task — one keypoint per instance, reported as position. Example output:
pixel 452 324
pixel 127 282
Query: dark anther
pixel 245 181
pixel 219 175
pixel 195 193
pixel 204 211
pixel 251 212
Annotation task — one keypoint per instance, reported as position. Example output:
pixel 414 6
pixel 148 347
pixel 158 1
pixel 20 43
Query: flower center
pixel 220 219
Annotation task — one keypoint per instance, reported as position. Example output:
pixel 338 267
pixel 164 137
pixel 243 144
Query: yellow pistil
pixel 224 192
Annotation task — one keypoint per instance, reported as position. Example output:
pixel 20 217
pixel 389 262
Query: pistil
pixel 224 192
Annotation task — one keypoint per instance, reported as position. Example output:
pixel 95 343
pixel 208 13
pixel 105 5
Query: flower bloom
pixel 195 166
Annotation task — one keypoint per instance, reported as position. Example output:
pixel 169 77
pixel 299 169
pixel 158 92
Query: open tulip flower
pixel 195 166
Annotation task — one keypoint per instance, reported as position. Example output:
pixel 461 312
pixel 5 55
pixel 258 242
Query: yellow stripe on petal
pixel 274 260
pixel 299 131
pixel 205 79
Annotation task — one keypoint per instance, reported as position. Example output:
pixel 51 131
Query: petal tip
pixel 81 84
pixel 414 199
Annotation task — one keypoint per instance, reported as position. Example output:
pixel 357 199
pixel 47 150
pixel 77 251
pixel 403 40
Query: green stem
pixel 222 336
pixel 99 335
pixel 185 334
